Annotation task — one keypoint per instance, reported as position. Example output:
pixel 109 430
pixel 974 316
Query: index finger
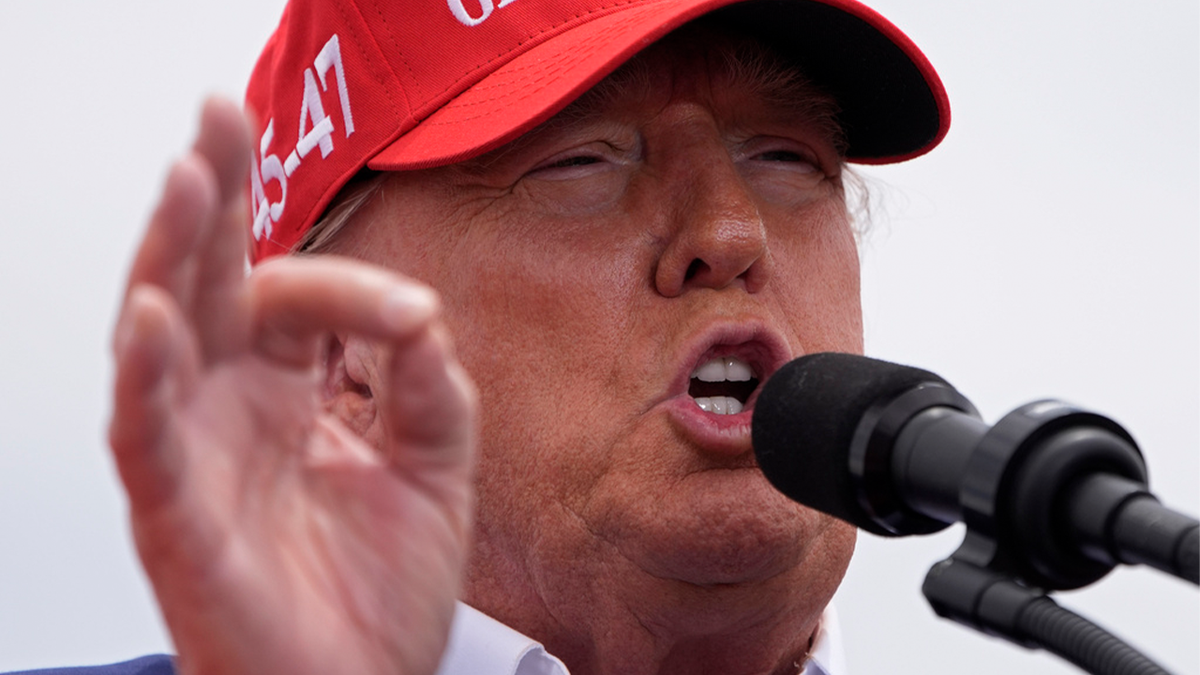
pixel 194 245
pixel 188 198
pixel 296 301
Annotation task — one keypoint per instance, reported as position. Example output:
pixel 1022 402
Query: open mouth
pixel 723 384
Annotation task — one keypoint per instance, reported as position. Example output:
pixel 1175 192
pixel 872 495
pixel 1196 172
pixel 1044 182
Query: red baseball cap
pixel 393 85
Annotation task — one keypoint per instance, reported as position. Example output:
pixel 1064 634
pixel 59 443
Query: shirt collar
pixel 481 645
pixel 826 657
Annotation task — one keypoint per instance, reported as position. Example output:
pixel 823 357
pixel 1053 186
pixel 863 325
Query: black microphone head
pixel 805 421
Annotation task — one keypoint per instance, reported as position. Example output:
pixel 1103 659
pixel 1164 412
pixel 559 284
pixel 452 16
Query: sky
pixel 1049 248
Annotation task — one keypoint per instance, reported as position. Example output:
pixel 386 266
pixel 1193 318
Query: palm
pixel 277 540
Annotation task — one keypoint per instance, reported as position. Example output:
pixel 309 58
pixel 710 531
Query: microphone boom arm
pixel 996 605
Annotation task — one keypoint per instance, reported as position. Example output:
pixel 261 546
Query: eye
pixel 793 157
pixel 782 170
pixel 575 163
pixel 578 160
pixel 579 178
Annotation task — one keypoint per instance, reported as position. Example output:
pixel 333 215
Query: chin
pixel 709 537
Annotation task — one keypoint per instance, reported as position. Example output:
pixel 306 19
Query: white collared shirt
pixel 480 645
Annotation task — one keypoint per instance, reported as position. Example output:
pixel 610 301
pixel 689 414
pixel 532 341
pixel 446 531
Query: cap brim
pixel 893 105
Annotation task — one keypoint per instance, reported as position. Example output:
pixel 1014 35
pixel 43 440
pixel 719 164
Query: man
pixel 619 259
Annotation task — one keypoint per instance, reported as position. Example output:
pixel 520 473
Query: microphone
pixel 1054 494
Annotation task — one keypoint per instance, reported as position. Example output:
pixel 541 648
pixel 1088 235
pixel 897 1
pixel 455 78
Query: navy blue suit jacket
pixel 158 664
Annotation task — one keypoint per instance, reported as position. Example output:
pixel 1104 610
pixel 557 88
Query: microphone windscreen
pixel 805 419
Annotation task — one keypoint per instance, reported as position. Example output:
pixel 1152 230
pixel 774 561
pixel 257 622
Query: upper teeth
pixel 724 369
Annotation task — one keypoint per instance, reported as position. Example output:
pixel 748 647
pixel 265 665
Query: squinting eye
pixel 782 171
pixel 785 156
pixel 781 156
pixel 578 160
pixel 568 167
pixel 569 162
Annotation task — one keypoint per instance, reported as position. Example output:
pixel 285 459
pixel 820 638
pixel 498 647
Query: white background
pixel 1048 248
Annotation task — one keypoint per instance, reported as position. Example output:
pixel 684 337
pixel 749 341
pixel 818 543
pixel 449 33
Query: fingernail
pixel 408 306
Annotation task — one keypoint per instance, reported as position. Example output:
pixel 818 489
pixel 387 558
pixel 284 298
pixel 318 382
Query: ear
pixel 351 378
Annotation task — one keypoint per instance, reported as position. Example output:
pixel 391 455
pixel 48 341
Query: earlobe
pixel 347 391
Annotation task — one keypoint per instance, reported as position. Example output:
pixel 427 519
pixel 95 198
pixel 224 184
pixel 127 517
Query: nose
pixel 718 237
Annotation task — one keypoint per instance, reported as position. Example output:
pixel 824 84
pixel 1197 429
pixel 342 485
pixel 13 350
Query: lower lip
pixel 717 434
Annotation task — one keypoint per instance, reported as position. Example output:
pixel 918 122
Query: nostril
pixel 695 268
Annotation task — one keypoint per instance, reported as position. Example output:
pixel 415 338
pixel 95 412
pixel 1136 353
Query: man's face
pixel 678 216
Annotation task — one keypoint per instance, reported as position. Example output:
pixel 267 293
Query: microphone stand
pixel 1040 516
pixel 997 605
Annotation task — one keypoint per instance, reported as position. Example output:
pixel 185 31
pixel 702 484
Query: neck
pixel 653 626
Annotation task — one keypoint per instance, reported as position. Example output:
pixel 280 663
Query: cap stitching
pixel 525 92
pixel 387 90
pixel 530 38
pixel 483 83
pixel 412 77
pixel 578 55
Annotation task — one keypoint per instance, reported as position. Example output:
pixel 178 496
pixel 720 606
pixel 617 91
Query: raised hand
pixel 278 541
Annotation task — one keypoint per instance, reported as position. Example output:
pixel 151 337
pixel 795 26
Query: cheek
pixel 532 317
pixel 818 281
pixel 533 309
pixel 538 327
